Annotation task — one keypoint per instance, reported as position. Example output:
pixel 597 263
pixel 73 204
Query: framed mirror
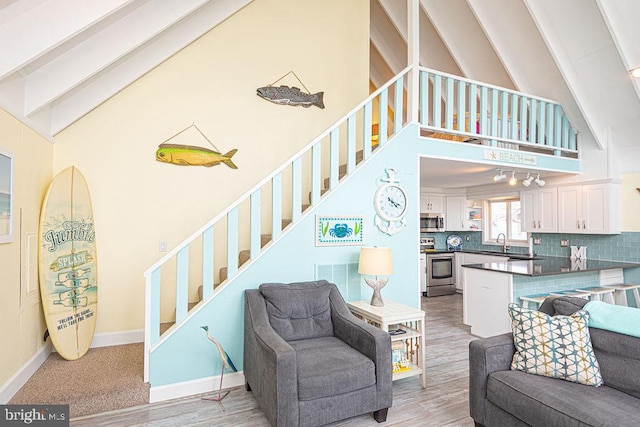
pixel 6 195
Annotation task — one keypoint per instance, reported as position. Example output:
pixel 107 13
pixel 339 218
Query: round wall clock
pixel 390 203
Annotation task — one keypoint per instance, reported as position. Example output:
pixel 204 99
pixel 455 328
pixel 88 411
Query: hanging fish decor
pixel 285 95
pixel 191 155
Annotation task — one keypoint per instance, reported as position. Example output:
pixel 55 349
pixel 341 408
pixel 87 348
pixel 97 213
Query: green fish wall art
pixel 191 155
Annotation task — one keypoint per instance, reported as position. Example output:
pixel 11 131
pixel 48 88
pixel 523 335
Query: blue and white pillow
pixel 554 346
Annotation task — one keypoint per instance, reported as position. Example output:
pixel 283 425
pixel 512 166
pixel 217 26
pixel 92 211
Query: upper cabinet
pixel 589 209
pixel 540 210
pixel 431 203
pixel 460 217
pixel 455 213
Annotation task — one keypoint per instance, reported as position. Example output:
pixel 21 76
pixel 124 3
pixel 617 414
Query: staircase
pixel 274 207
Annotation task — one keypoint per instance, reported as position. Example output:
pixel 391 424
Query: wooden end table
pixel 394 316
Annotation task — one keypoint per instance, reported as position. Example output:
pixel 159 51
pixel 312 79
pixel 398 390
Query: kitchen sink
pixel 512 256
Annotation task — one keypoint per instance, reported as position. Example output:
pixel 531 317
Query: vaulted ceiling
pixel 59 59
pixel 577 52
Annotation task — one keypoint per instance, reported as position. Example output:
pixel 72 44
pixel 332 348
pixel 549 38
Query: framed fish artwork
pixel 291 95
pixel 192 155
pixel 339 230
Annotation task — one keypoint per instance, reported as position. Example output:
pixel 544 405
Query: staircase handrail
pixel 262 182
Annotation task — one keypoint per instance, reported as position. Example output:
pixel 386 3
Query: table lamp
pixel 375 261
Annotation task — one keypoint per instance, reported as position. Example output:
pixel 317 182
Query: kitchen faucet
pixel 505 247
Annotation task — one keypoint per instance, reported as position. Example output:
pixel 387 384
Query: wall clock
pixel 390 203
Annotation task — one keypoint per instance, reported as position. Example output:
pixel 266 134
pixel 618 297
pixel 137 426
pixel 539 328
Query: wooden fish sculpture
pixel 189 155
pixel 293 96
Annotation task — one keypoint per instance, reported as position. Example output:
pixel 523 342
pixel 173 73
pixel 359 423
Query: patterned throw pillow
pixel 554 346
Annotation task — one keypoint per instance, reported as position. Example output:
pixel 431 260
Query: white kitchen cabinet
pixel 589 209
pixel 460 259
pixel 469 258
pixel 540 210
pixel 483 291
pixel 456 213
pixel 423 273
pixel 431 203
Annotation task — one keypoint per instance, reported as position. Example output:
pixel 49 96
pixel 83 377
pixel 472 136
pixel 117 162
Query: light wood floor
pixel 443 403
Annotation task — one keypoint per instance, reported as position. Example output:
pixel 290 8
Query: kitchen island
pixel 490 287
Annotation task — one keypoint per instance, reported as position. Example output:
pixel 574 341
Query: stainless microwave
pixel 431 222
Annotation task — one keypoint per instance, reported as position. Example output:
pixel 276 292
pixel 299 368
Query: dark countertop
pixel 546 266
pixel 510 255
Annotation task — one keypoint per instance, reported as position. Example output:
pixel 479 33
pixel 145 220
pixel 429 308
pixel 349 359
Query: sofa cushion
pixel 619 359
pixel 300 310
pixel 543 401
pixel 566 306
pixel 554 346
pixel 327 367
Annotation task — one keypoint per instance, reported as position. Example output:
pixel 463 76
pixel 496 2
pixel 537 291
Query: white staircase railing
pixel 255 221
pixel 260 217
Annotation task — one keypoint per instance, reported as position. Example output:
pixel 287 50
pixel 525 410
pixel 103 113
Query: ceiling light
pixel 539 181
pixel 513 180
pixel 527 182
pixel 499 176
pixel 635 72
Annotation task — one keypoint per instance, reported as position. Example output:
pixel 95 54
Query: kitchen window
pixel 503 216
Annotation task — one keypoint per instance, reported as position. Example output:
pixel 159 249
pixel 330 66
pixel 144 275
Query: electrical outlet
pixel 537 240
pixel 467 238
pixel 163 246
pixel 564 243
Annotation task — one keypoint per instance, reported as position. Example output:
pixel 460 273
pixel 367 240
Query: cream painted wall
pixel 21 320
pixel 630 202
pixel 138 201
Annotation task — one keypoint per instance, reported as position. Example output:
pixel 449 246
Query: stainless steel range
pixel 441 275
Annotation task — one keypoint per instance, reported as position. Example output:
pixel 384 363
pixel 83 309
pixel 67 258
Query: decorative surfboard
pixel 68 264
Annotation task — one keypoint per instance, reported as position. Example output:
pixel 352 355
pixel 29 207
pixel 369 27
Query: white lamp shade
pixel 375 261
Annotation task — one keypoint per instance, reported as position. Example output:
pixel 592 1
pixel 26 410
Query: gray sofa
pixel 499 396
pixel 308 360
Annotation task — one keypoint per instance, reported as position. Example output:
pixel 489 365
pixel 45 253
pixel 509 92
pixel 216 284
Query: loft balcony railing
pixel 460 109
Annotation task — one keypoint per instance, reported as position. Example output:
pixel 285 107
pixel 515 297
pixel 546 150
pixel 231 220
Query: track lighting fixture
pixel 527 182
pixel 499 176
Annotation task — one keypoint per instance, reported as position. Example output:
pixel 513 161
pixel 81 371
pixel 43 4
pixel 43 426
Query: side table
pixel 398 316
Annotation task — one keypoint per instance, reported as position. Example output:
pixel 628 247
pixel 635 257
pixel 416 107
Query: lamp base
pixel 376 285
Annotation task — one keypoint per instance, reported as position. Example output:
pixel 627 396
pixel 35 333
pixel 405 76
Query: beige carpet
pixel 104 379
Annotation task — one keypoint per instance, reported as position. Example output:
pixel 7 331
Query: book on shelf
pixel 399 361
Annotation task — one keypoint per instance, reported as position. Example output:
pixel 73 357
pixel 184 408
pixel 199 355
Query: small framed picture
pixel 339 230
pixel 6 196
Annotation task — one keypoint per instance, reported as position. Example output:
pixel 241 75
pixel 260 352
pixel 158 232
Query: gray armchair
pixel 308 360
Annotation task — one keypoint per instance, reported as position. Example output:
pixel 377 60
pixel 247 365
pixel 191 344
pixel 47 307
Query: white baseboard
pixel 189 388
pixel 108 339
pixel 11 387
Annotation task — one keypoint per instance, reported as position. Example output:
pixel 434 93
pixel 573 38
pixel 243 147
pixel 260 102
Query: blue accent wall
pixel 187 354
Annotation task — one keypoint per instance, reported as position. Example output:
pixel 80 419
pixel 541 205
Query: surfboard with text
pixel 68 266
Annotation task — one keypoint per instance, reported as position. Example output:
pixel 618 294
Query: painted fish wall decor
pixel 285 95
pixel 189 155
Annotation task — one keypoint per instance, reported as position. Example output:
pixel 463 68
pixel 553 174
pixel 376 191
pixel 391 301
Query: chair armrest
pixel 367 339
pixel 269 364
pixel 485 356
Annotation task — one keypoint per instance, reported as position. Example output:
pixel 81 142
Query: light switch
pixel 163 246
